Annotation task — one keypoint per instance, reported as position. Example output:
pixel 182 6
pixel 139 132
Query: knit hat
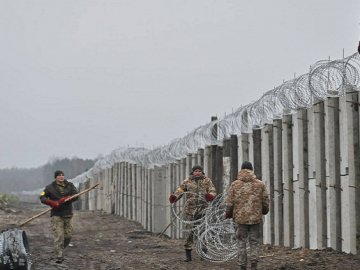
pixel 247 165
pixel 197 167
pixel 57 173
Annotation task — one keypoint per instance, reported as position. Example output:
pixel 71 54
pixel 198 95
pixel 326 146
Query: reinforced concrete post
pixel 287 142
pixel 142 195
pixel 119 183
pixel 106 196
pixel 107 193
pixel 122 189
pixel 147 205
pixel 257 153
pixel 138 192
pixel 353 188
pixel 243 148
pixel 200 157
pixel 85 205
pixel 112 189
pixel 161 217
pixel 133 191
pixel 194 159
pixel 207 161
pixel 218 169
pixel 177 181
pixel 183 175
pixel 100 193
pixel 332 129
pixel 126 190
pixel 303 187
pixel 169 179
pixel 267 168
pixel 188 163
pixel 234 168
pixel 151 196
pixel 212 166
pixel 278 184
pixel 115 187
pixel 92 195
pixel 110 198
pixel 226 164
pixel 78 204
pixel 129 192
pixel 320 176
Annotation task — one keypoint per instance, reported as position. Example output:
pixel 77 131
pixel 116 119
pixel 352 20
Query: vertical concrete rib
pixel 226 164
pixel 278 183
pixel 243 149
pixel 319 216
pixel 234 168
pixel 267 168
pixel 353 149
pixel 257 152
pixel 333 165
pixel 303 185
pixel 287 142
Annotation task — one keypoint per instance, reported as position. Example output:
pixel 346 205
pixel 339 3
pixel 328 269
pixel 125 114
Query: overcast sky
pixel 84 77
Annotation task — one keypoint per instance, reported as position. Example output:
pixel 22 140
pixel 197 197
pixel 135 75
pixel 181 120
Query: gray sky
pixel 84 77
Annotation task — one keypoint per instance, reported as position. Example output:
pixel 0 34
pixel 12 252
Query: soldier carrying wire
pixel 200 191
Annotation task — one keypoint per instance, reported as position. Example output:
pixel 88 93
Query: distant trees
pixel 18 179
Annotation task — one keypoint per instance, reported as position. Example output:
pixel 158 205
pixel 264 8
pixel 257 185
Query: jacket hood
pixel 246 175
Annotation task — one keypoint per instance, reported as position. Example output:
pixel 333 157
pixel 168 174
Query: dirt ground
pixel 107 242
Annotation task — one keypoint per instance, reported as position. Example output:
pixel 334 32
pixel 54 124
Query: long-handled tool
pixel 48 210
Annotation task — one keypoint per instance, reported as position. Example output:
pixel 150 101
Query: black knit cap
pixel 57 173
pixel 247 165
pixel 197 167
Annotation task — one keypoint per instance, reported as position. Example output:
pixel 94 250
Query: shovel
pixel 48 210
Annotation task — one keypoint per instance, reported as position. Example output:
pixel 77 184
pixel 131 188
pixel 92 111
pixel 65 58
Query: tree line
pixel 19 179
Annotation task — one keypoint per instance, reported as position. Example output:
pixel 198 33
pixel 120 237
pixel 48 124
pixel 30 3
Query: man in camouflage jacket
pixel 200 191
pixel 57 195
pixel 247 201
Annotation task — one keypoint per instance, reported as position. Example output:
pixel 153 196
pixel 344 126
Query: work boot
pixel 188 255
pixel 254 266
pixel 59 259
pixel 66 241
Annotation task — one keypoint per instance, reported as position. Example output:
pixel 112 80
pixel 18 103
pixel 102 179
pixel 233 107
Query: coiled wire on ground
pixel 216 240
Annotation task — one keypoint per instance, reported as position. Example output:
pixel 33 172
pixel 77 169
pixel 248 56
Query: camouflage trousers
pixel 189 234
pixel 248 234
pixel 62 229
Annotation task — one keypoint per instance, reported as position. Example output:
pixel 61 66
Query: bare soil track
pixel 108 242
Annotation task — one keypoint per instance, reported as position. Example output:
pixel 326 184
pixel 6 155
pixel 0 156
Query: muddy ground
pixel 107 242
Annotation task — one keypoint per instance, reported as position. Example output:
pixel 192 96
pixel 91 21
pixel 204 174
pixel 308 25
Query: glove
pixel 227 215
pixel 53 204
pixel 172 198
pixel 63 199
pixel 209 197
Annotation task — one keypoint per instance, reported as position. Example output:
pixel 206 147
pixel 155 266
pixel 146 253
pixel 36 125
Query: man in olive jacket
pixel 247 201
pixel 56 195
pixel 201 190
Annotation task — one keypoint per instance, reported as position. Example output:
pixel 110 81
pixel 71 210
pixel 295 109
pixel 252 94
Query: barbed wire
pixel 216 238
pixel 325 79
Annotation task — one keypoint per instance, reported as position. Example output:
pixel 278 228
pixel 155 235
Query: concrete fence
pixel 309 161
